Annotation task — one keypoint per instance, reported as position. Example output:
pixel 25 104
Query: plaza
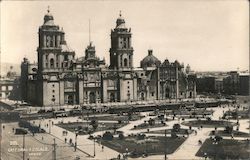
pixel 92 145
pixel 126 89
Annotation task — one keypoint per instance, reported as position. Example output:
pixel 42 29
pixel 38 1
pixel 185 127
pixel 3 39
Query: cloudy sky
pixel 208 35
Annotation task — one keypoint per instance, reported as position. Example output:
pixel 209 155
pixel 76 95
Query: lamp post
pixel 49 126
pixel 76 133
pixel 94 145
pixel 23 146
pixel 165 155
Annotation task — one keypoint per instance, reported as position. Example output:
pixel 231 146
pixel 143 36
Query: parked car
pixel 60 113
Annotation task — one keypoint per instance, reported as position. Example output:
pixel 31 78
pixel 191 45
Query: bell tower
pixel 50 40
pixel 121 51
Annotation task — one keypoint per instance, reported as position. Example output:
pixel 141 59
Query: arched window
pixel 51 63
pixel 125 62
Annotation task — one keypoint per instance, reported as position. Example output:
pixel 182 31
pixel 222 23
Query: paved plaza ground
pixel 37 147
pixel 88 149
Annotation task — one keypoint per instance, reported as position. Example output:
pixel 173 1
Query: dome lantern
pixel 120 22
pixel 150 60
pixel 48 18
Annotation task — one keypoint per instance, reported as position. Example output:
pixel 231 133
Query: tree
pixel 130 114
pixel 115 127
pixel 107 136
pixel 229 129
pixel 173 134
pixel 161 117
pixel 151 122
pixel 176 127
pixel 218 138
pixel 94 124
pixel 208 119
pixel 234 115
pixel 121 136
pixel 141 136
pixel 119 121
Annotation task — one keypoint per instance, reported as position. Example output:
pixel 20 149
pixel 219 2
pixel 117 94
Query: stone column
pixel 81 91
pixel 54 41
pixel 177 84
pixel 44 41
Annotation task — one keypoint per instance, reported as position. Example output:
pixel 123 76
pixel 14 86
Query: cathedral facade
pixel 61 79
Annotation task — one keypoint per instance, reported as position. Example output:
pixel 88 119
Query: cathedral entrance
pixel 142 96
pixel 190 95
pixel 70 99
pixel 112 97
pixel 167 95
pixel 92 97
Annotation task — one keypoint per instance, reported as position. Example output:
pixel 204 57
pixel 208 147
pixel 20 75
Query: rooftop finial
pixel 48 9
pixel 120 13
pixel 89 33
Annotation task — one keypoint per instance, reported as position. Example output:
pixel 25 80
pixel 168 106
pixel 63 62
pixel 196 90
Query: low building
pixel 10 86
pixel 206 85
pixel 244 88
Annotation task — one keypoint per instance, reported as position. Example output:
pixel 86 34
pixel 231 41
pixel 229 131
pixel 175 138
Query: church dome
pixel 48 18
pixel 120 22
pixel 150 60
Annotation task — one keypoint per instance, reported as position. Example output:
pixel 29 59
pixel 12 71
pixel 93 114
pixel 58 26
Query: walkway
pixel 83 143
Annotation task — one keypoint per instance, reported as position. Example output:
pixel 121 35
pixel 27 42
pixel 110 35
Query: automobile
pixel 75 107
pixel 52 110
pixel 75 112
pixel 152 114
pixel 21 131
pixel 41 111
pixel 60 113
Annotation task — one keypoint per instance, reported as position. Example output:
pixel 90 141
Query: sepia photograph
pixel 124 80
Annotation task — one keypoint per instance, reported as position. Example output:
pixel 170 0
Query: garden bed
pixel 115 117
pixel 225 149
pixel 234 133
pixel 208 123
pixel 180 132
pixel 85 128
pixel 149 145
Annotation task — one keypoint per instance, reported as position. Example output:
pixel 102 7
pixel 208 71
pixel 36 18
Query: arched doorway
pixel 112 97
pixel 142 96
pixel 51 63
pixel 167 94
pixel 190 95
pixel 125 62
pixel 92 98
pixel 70 99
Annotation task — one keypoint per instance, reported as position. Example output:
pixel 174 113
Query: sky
pixel 207 35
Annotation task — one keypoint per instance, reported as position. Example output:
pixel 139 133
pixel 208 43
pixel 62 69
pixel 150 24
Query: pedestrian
pixel 42 138
pixel 102 148
pixel 119 156
pixel 65 140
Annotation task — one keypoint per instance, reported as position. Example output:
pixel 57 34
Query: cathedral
pixel 61 79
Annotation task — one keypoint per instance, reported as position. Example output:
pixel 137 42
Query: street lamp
pixel 94 145
pixel 49 126
pixel 76 133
